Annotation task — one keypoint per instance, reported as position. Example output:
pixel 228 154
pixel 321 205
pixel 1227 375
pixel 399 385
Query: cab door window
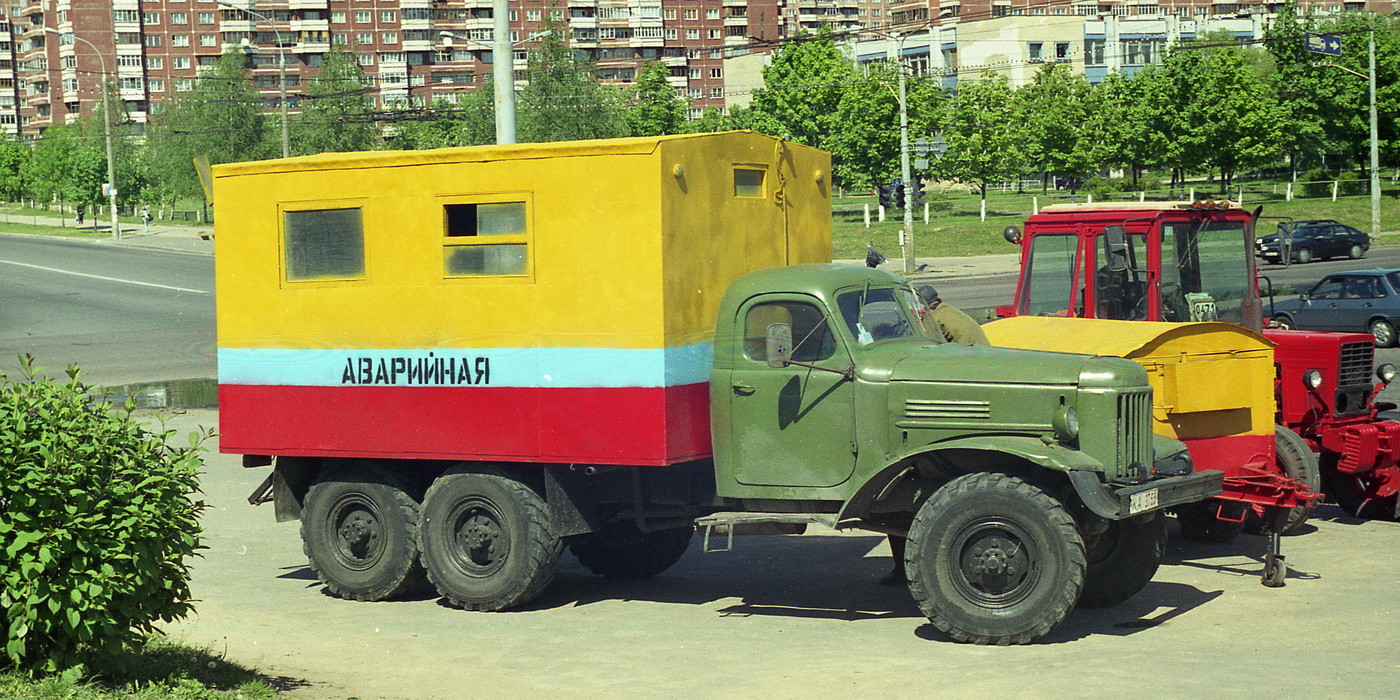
pixel 1122 295
pixel 812 339
pixel 1047 290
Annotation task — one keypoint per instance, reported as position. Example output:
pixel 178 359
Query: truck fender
pixel 986 453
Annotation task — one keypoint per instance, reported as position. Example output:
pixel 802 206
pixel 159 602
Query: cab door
pixel 1319 310
pixel 791 426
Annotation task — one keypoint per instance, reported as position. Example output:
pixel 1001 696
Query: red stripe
pixel 1230 453
pixel 633 426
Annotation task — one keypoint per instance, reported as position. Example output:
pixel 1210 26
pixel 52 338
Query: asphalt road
pixel 122 314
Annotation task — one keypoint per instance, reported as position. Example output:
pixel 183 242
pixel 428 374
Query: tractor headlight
pixel 1312 379
pixel 1385 372
pixel 1066 423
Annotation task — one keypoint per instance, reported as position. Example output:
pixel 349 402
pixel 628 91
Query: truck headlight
pixel 1385 372
pixel 1312 379
pixel 1066 423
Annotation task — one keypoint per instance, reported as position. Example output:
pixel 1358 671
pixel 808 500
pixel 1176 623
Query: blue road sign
pixel 1326 45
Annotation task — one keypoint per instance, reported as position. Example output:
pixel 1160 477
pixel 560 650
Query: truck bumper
pixel 1118 502
pixel 1362 447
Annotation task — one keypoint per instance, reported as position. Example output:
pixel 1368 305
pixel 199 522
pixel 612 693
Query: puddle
pixel 180 393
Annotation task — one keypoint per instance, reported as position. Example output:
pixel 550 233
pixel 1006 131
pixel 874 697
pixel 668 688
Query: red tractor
pixel 1194 261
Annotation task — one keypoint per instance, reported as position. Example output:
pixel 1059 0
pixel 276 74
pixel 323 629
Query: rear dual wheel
pixel 359 529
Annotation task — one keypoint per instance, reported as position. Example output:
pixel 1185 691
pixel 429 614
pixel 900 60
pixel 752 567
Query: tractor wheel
pixel 1356 252
pixel 992 559
pixel 1304 256
pixel 1355 494
pixel 621 550
pixel 1296 461
pixel 359 529
pixel 1384 331
pixel 487 540
pixel 1123 559
pixel 1199 523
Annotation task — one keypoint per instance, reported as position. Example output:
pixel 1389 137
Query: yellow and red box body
pixel 593 344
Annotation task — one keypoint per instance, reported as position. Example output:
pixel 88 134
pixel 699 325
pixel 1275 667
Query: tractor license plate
pixel 1139 502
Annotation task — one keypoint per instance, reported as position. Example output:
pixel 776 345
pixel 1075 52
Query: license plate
pixel 1140 502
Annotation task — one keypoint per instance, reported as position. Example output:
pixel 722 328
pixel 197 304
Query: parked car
pixel 1315 239
pixel 1356 302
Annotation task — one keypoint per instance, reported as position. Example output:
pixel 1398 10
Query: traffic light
pixel 899 196
pixel 918 193
pixel 887 195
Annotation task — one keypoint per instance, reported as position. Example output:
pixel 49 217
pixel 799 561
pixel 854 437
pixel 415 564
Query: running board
pixel 746 523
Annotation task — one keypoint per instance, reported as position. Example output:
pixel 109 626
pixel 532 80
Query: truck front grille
pixel 1355 366
pixel 1134 429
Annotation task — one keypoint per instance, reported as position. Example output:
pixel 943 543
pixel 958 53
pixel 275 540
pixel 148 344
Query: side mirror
pixel 779 345
pixel 1304 296
pixel 1011 234
pixel 1115 248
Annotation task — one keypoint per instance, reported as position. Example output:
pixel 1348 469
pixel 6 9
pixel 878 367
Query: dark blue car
pixel 1316 239
pixel 1363 301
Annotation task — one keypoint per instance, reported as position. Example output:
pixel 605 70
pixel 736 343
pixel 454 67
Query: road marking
pixel 106 279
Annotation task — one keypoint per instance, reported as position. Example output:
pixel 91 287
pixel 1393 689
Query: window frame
pixel 283 208
pixel 527 239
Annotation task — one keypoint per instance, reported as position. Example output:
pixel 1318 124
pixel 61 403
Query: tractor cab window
pixel 1205 270
pixel 1049 273
pixel 1122 295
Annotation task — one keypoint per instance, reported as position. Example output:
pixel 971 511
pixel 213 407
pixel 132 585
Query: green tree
pixel 984 130
pixel 1243 127
pixel 802 91
pixel 657 110
pixel 865 148
pixel 564 100
pixel 1297 87
pixel 470 122
pixel 712 119
pixel 1058 120
pixel 221 118
pixel 336 111
pixel 51 167
pixel 14 158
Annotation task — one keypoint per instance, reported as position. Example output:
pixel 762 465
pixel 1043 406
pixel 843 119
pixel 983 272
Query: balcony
pixel 418 45
pixel 309 25
pixel 315 46
pixel 308 4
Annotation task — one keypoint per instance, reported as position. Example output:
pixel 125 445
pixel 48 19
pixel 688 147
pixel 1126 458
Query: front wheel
pixel 359 529
pixel 1356 494
pixel 1199 523
pixel 1282 322
pixel 1384 331
pixel 1304 256
pixel 1356 252
pixel 487 540
pixel 1123 559
pixel 622 550
pixel 992 559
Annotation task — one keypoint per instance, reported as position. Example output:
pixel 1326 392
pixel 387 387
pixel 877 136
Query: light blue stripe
pixel 507 367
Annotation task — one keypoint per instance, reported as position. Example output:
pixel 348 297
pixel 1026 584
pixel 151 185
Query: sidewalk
pixel 171 237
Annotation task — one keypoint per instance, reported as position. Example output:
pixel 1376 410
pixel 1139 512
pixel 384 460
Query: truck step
pixel 750 523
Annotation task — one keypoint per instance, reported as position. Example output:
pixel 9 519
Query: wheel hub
pixel 995 567
pixel 359 534
pixel 481 540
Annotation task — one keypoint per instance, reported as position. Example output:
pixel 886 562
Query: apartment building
pixel 54 54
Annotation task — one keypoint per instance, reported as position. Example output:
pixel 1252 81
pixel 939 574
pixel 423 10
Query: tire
pixel 1298 462
pixel 1199 523
pixel 488 543
pixel 1354 494
pixel 620 550
pixel 1356 252
pixel 360 530
pixel 992 559
pixel 1304 256
pixel 1283 322
pixel 1384 332
pixel 1122 560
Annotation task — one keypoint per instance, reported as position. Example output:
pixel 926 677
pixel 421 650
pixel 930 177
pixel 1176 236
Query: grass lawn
pixel 44 230
pixel 162 669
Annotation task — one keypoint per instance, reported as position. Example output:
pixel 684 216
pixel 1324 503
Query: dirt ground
pixel 799 616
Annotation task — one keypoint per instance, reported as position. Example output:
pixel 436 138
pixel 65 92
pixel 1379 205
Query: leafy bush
pixel 1349 183
pixel 1315 183
pixel 97 518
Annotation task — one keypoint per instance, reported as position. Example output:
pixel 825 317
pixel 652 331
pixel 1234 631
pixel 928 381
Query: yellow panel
pixel 622 252
pixel 1208 379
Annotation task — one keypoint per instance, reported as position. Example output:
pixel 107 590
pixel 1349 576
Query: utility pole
pixel 503 72
pixel 1375 154
pixel 281 68
pixel 908 234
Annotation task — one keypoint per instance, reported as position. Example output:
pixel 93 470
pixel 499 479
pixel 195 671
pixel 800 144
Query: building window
pixel 1140 53
pixel 150 18
pixel 389 38
pixel 669 13
pixel 205 17
pixel 1062 51
pixel 712 13
pixel 338 38
pixel 712 33
pixel 129 61
pixel 692 33
pixel 179 18
pixel 485 239
pixel 180 40
pixel 716 92
pixel 131 83
pixel 692 14
pixel 388 16
pixel 180 62
pixel 338 17
pixel 362 17
pixel 716 72
pixel 208 40
pixel 365 59
pixel 532 15
pixel 131 16
pixel 323 244
pixel 364 38
pixel 1000 10
pixel 156 85
pixel 1034 51
pixel 152 40
pixel 1093 52
pixel 671 34
pixel 155 63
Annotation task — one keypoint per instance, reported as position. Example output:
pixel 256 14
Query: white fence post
pixel 1288 193
pixel 925 211
pixel 867 214
pixel 1334 190
pixel 984 210
pixel 1142 196
pixel 1035 205
pixel 1088 198
pixel 881 215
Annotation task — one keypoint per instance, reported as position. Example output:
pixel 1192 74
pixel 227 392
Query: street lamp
pixel 281 68
pixel 106 130
pixel 502 69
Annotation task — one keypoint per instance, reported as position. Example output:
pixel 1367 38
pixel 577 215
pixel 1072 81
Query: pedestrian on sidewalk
pixel 146 217
pixel 873 258
pixel 79 218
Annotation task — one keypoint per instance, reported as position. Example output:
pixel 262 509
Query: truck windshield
pixel 873 315
pixel 1205 270
pixel 1048 273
